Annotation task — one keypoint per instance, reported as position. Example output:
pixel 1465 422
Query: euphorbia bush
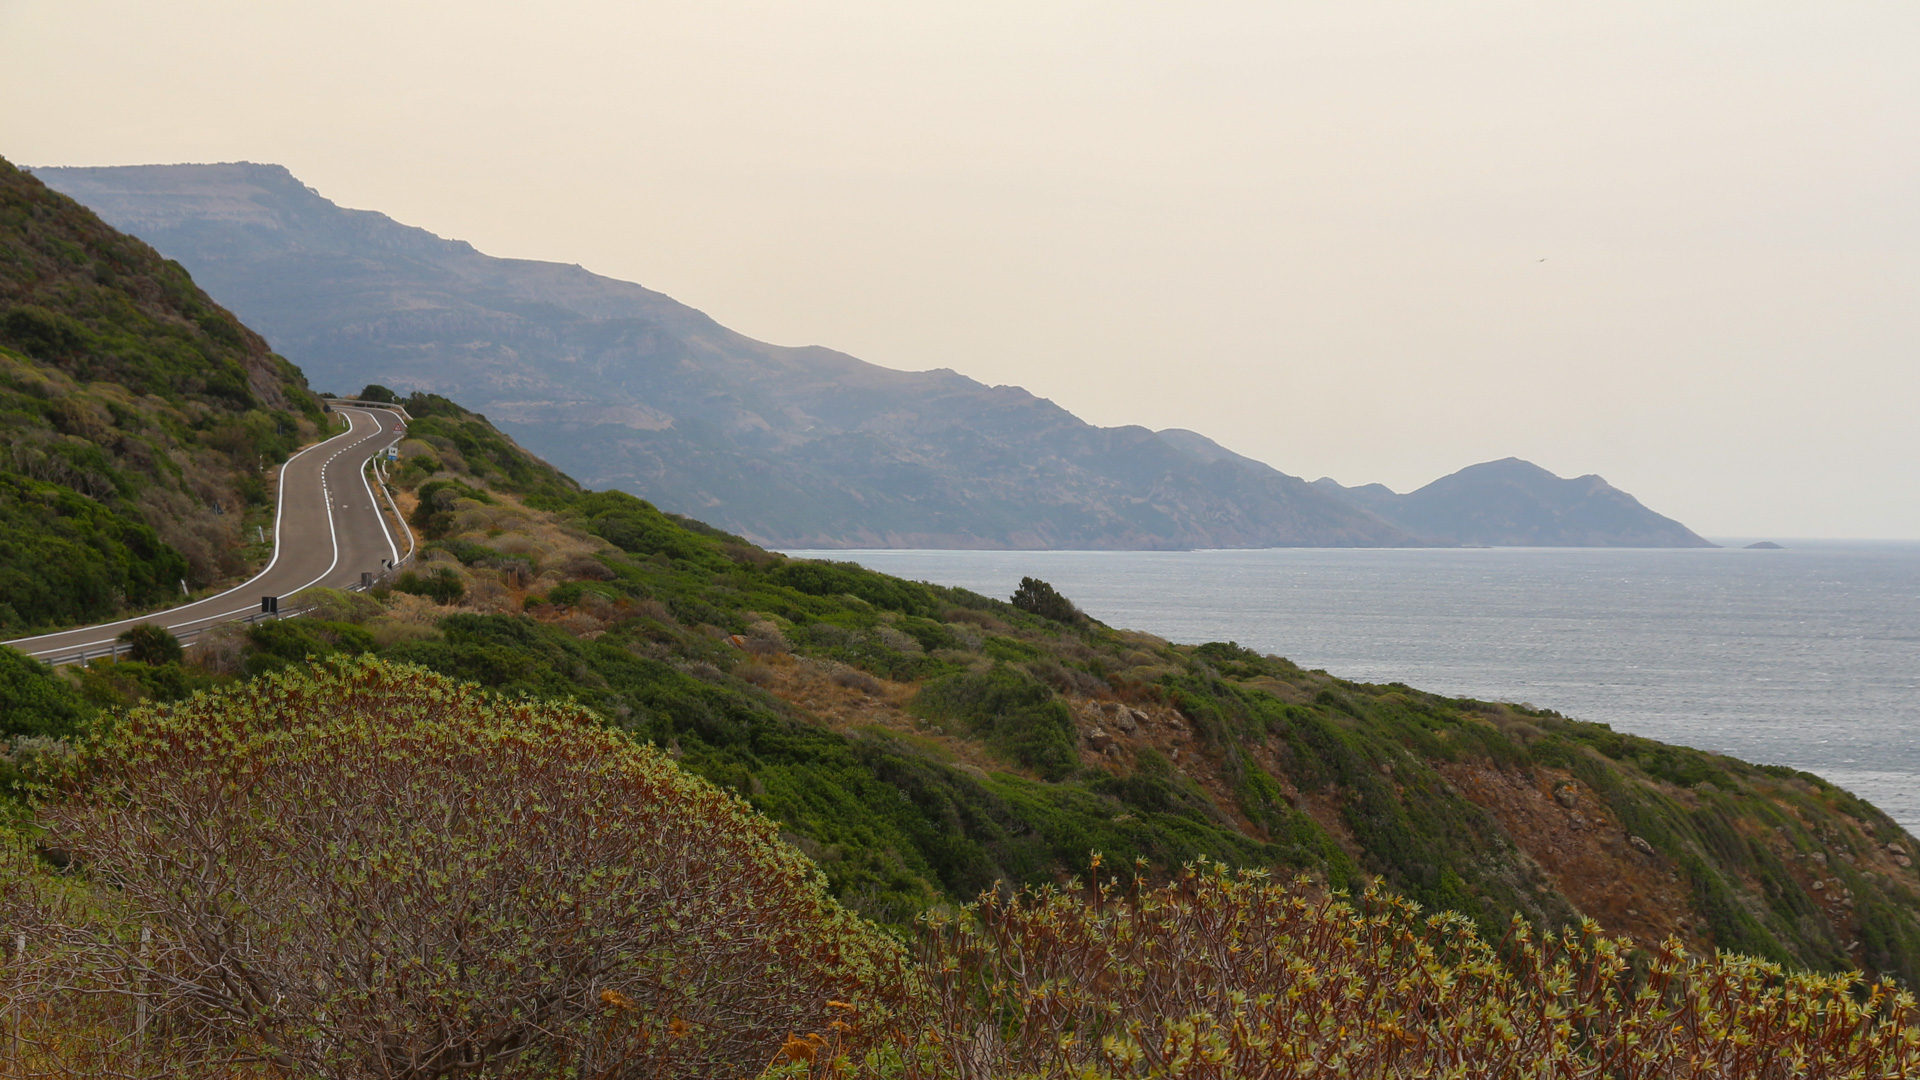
pixel 366 870
pixel 1220 975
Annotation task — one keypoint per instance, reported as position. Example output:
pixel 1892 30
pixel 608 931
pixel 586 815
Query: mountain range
pixel 625 387
pixel 1515 503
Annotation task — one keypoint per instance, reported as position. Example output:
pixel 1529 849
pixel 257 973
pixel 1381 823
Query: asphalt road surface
pixel 327 531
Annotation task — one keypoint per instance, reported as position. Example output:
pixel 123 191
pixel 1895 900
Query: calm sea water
pixel 1808 657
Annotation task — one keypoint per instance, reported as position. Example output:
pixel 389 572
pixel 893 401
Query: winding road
pixel 328 530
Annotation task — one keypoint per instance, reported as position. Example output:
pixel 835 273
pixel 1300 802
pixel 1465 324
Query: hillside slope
pixel 624 387
pixel 1515 503
pixel 138 419
pixel 921 743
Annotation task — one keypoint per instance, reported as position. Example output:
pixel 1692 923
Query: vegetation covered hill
pixel 444 436
pixel 138 419
pixel 922 743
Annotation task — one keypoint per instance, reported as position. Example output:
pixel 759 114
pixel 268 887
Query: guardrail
pixel 357 403
pixel 379 468
pixel 112 650
pixel 115 649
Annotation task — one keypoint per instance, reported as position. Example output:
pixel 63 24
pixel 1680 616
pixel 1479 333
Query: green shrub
pixel 568 593
pixel 466 551
pixel 433 516
pixel 66 558
pixel 279 643
pixel 34 700
pixel 1011 650
pixel 123 683
pixel 150 644
pixel 852 579
pixel 1015 713
pixel 444 584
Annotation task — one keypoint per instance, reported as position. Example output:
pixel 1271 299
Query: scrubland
pixel 589 790
pixel 139 421
pixel 431 831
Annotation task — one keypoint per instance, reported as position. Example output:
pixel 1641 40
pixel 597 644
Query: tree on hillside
pixel 1039 598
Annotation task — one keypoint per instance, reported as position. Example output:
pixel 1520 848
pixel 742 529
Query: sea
pixel 1807 656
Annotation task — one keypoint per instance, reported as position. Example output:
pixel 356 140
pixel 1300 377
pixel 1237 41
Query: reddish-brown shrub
pixel 855 679
pixel 1222 976
pixel 368 870
pixel 586 568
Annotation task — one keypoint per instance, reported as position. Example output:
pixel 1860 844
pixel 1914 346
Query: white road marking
pixel 279 512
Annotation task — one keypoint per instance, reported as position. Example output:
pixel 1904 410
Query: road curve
pixel 328 530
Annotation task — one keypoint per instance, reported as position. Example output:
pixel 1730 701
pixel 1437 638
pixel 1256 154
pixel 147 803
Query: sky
pixel 1675 244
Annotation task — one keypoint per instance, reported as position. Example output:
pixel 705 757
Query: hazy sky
pixel 1313 232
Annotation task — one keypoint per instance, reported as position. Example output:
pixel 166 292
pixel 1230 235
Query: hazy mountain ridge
pixel 622 386
pixel 625 387
pixel 1515 503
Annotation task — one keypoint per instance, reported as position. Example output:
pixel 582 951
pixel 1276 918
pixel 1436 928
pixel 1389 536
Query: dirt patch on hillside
pixel 846 699
pixel 1585 852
